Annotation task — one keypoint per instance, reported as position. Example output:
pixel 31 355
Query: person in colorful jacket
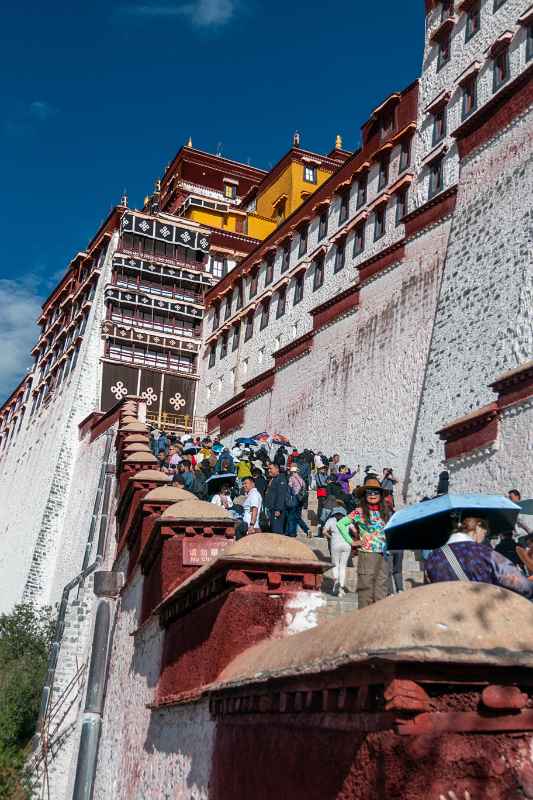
pixel 366 523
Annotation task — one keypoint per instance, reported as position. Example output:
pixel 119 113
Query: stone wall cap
pixel 154 475
pixel 137 447
pixel 141 438
pixel 463 623
pixel 270 547
pixel 166 494
pixel 127 419
pixel 194 509
pixel 134 427
pixel 140 458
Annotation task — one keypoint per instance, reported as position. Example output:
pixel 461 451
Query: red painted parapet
pixel 132 464
pixel 146 515
pixel 137 488
pixel 481 427
pixel 236 600
pixel 478 429
pixel 423 695
pixel 185 536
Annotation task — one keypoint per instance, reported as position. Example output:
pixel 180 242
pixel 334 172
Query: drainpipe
pixel 104 487
pixel 107 586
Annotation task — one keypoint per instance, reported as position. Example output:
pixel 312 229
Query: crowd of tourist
pixel 266 487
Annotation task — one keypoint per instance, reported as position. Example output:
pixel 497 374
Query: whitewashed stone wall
pixel 143 753
pixel 483 324
pixel 254 356
pixel 357 391
pixel 463 53
pixel 39 492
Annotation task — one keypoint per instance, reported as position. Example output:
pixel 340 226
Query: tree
pixel 25 637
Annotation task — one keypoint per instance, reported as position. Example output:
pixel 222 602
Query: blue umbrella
pixel 526 507
pixel 428 524
pixel 248 441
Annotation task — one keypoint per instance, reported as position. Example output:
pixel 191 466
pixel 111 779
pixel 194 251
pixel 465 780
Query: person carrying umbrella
pixel 465 557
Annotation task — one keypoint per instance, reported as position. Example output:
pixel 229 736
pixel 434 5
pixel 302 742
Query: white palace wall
pixel 357 391
pixel 48 481
pixel 483 324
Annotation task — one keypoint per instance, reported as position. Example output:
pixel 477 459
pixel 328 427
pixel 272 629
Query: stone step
pixel 412 576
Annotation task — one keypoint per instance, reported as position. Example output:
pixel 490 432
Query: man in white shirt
pixel 252 506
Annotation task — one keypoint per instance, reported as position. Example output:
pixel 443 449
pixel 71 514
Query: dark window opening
pixel 529 43
pixel 436 177
pixel 236 337
pixel 227 312
pixel 212 356
pixel 405 154
pixel 302 247
pixel 323 225
pixel 340 255
pixel 473 21
pixel 319 272
pixel 501 69
pixel 249 327
pixel 224 346
pixel 383 178
pixel 269 272
pixel 379 223
pixel 282 302
pixel 298 288
pixel 361 190
pixel 359 239
pixel 401 205
pixel 469 97
pixel 344 208
pixel 265 314
pixel 444 50
pixel 285 258
pixel 240 296
pixel 216 317
pixel 254 280
pixel 439 125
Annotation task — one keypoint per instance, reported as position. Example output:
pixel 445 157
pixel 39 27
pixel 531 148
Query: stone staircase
pixel 412 574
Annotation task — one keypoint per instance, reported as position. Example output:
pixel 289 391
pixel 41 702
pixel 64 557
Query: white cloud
pixel 28 116
pixel 20 305
pixel 41 110
pixel 201 13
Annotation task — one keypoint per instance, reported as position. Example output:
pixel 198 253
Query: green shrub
pixel 25 637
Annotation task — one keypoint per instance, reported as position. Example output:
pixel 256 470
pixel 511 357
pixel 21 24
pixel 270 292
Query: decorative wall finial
pixel 338 142
pixel 157 185
pixel 124 199
pixel 296 139
pixel 189 142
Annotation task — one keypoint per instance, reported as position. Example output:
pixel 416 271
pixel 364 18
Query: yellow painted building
pixel 297 175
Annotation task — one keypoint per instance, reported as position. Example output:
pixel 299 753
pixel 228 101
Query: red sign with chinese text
pixel 199 551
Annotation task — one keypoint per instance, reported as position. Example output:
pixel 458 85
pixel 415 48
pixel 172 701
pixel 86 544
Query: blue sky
pixel 99 98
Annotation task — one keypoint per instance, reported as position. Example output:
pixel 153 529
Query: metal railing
pixel 183 423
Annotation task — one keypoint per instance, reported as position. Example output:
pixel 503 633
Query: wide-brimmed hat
pixel 369 483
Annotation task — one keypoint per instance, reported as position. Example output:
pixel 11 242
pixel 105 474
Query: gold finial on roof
pixel 146 201
pixel 189 142
pixel 338 142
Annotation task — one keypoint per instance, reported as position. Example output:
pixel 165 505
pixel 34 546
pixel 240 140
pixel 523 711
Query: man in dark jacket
pixel 276 499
